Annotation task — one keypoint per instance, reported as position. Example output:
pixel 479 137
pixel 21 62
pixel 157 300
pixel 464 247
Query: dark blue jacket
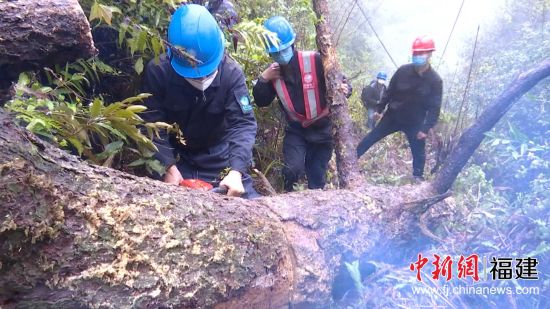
pixel 413 99
pixel 264 93
pixel 220 114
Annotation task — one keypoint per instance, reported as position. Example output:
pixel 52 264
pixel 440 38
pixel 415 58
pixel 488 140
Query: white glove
pixel 234 183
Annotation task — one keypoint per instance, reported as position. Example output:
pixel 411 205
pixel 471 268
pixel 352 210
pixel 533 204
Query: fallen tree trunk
pixel 73 234
pixel 349 175
pixel 35 33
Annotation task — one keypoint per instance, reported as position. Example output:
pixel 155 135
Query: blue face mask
pixel 419 60
pixel 283 57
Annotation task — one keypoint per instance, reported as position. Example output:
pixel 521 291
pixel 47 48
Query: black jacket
pixel 222 113
pixel 413 99
pixel 264 93
pixel 372 94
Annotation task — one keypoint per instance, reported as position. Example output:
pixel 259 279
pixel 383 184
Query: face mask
pixel 283 57
pixel 419 60
pixel 202 83
pixel 381 81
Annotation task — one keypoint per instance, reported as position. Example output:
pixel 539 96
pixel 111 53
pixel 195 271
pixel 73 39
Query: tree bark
pixel 346 155
pixel 473 136
pixel 77 235
pixel 35 33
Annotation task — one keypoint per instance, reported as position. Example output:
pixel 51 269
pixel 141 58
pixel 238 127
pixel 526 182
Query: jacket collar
pixel 177 79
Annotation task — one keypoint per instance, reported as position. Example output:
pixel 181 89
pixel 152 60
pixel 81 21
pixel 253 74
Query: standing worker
pixel 297 79
pixel 202 90
pixel 224 12
pixel 414 102
pixel 371 96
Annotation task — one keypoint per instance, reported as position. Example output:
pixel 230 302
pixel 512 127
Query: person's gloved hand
pixel 234 183
pixel 173 175
pixel 346 87
pixel 273 72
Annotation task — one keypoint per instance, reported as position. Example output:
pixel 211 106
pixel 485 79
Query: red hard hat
pixel 423 43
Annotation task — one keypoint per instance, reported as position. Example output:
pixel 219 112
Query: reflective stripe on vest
pixel 310 89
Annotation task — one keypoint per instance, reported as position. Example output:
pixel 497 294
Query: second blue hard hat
pixel 284 31
pixel 195 32
pixel 382 75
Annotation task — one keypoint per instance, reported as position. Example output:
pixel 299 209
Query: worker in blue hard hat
pixel 371 96
pixel 297 79
pixel 224 12
pixel 199 87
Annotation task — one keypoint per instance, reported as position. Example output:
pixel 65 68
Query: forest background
pixel 501 199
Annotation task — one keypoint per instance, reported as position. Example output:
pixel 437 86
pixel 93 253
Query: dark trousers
pixel 370 117
pixel 301 156
pixel 388 126
pixel 209 164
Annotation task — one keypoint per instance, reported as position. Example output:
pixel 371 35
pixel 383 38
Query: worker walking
pixel 371 96
pixel 413 101
pixel 297 79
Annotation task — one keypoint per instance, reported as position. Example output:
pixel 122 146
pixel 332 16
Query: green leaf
pixel 95 12
pixel 157 46
pixel 103 12
pixel 156 166
pixel 138 66
pixel 137 162
pixel 111 149
pixel 95 108
pixel 133 99
pixel 142 41
pixel 122 33
pixel 136 108
pixel 34 122
pixel 24 79
pixel 77 144
pixel 112 130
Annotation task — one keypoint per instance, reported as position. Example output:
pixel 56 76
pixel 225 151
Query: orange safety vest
pixel 310 87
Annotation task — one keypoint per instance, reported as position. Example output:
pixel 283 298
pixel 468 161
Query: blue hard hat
pixel 284 31
pixel 382 75
pixel 194 31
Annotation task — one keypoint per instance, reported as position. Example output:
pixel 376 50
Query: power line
pixel 458 120
pixel 450 34
pixel 375 33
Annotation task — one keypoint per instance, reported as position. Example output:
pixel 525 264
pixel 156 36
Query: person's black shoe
pixel 418 179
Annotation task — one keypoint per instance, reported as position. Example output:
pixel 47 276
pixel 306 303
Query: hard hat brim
pixel 201 70
pixel 276 49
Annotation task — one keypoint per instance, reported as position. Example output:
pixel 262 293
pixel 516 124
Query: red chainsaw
pixel 198 184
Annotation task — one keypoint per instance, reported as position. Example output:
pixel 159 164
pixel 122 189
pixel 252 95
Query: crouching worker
pixel 202 90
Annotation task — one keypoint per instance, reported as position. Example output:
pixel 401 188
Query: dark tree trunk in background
pixel 473 136
pixel 41 33
pixel 346 155
pixel 73 234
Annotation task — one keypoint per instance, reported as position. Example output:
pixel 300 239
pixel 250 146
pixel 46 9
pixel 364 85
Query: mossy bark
pixel 349 175
pixel 74 234
pixel 41 33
